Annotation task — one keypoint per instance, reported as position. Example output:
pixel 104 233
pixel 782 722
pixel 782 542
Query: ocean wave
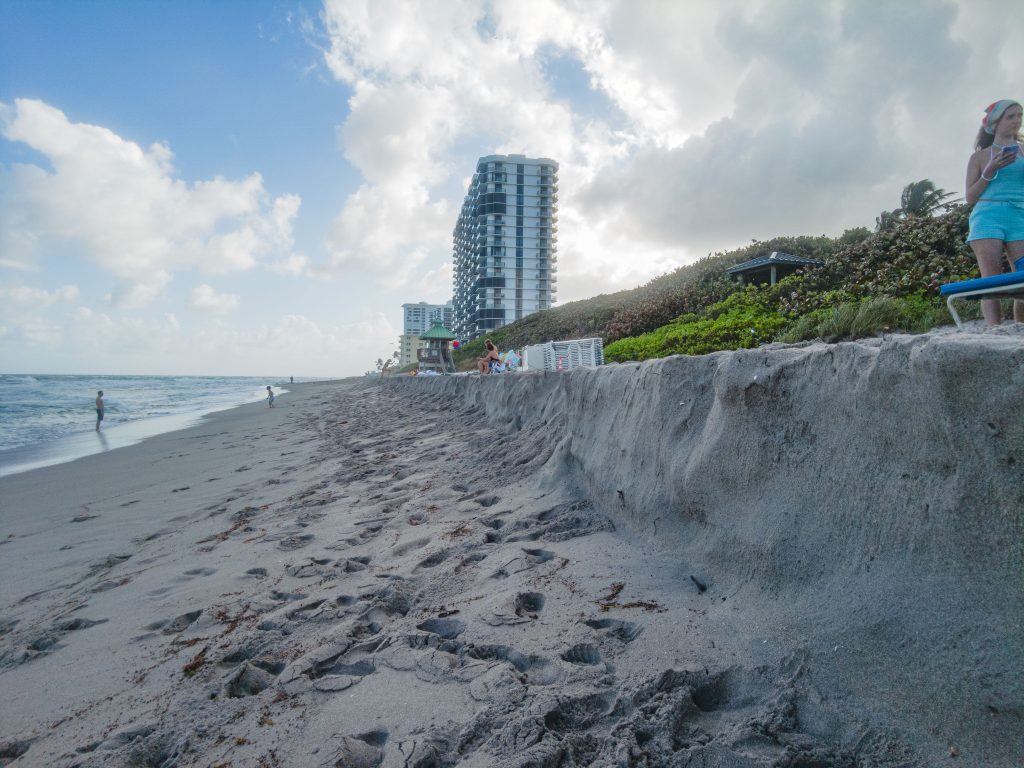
pixel 40 409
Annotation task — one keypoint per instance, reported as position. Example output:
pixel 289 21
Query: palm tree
pixel 919 199
pixel 887 220
pixel 923 198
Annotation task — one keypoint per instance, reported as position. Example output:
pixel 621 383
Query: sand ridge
pixel 429 573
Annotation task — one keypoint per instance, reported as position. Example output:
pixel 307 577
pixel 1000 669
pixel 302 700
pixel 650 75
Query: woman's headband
pixel 993 112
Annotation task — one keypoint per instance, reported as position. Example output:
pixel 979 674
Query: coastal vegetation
pixel 869 283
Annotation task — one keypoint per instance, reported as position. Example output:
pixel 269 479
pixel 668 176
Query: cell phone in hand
pixel 1011 150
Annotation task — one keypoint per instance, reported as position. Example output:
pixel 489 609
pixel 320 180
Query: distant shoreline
pixel 89 442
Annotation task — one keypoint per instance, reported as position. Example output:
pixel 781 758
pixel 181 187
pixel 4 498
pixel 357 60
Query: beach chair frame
pixel 1006 286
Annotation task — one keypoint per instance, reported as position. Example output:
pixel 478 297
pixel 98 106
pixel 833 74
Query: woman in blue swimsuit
pixel 995 186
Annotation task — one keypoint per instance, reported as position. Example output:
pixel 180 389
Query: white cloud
pixel 296 264
pixel 725 121
pixel 424 80
pixel 125 206
pixel 26 296
pixel 293 344
pixel 40 332
pixel 435 286
pixel 206 299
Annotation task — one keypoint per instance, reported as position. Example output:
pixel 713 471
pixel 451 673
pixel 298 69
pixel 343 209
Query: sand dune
pixel 792 556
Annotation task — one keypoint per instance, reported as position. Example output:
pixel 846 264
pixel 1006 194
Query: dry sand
pixel 792 556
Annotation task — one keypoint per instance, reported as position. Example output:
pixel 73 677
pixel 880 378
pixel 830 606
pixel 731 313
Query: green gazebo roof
pixel 438 332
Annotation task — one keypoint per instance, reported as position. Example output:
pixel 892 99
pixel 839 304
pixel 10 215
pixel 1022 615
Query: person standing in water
pixel 99 409
pixel 270 397
pixel 995 187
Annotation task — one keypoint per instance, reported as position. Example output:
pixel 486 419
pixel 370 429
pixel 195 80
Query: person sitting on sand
pixel 270 397
pixel 99 409
pixel 995 187
pixel 483 364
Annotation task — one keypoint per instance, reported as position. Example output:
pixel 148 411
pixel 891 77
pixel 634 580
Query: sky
pixel 255 187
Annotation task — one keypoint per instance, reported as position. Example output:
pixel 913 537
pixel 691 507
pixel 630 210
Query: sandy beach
pixel 790 556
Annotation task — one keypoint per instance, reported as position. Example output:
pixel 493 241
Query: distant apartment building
pixel 505 243
pixel 417 317
pixel 407 346
pixel 416 321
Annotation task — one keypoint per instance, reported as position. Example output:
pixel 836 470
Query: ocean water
pixel 49 419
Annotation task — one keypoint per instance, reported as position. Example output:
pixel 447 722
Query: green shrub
pixel 741 321
pixel 910 260
pixel 869 317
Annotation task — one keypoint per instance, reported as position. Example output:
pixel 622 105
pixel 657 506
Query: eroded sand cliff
pixel 790 556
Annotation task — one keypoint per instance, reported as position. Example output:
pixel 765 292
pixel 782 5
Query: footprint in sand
pixel 286 596
pixel 536 669
pixel 362 750
pixel 108 584
pixel 195 572
pixel 469 560
pixel 298 541
pixel 73 625
pixel 538 556
pixel 47 641
pixel 582 653
pixel 175 625
pixel 353 564
pixel 304 611
pixel 12 750
pixel 529 604
pixel 433 560
pixel 153 536
pixel 447 629
pixel 251 678
pixel 308 568
pixel 107 563
pixel 520 609
pixel 409 546
pixel 327 669
pixel 625 631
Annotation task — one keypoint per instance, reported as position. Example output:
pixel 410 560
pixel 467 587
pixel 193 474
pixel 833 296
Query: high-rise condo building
pixel 505 243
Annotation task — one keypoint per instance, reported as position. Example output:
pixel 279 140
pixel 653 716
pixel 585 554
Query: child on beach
pixel 270 397
pixel 99 409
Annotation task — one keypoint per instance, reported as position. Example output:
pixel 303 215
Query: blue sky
pixel 256 187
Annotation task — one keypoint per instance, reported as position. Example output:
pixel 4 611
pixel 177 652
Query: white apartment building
pixel 417 317
pixel 505 243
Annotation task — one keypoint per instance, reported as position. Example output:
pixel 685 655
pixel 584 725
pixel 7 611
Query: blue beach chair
pixel 1006 286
